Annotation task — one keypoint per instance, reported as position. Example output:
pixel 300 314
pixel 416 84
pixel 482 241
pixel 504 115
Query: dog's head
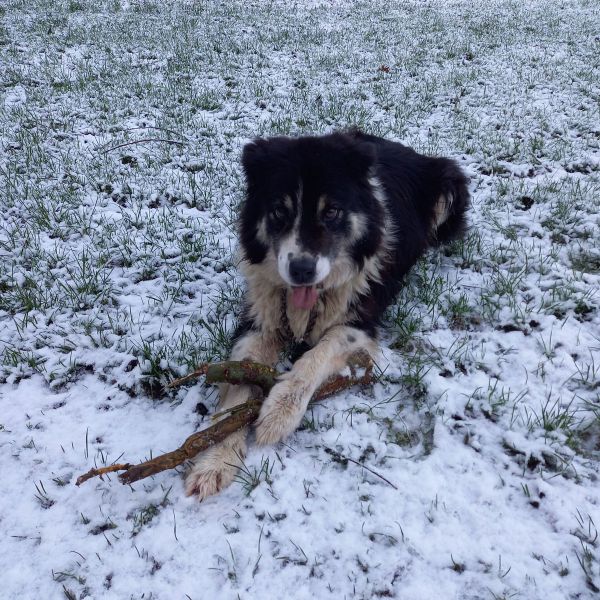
pixel 311 216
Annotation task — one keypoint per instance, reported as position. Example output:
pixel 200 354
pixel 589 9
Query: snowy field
pixel 121 126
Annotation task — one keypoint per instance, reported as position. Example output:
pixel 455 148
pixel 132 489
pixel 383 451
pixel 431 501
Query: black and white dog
pixel 329 227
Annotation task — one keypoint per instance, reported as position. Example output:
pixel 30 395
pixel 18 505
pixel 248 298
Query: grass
pixel 42 496
pixel 250 477
pixel 121 129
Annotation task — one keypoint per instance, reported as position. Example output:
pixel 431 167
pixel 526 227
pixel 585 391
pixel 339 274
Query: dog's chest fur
pixel 269 307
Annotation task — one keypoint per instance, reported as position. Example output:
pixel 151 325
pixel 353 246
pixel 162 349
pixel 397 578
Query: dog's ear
pixel 254 158
pixel 359 157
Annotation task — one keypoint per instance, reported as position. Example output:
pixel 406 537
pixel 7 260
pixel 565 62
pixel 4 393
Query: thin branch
pixel 201 370
pixel 171 131
pixel 233 372
pixel 101 471
pixel 143 142
pixel 100 147
pixel 340 456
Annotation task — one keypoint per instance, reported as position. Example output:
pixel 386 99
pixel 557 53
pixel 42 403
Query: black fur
pixel 339 167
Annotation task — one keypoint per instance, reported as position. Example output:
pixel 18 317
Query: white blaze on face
pixel 290 249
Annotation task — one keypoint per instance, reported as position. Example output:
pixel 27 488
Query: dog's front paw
pixel 216 468
pixel 282 411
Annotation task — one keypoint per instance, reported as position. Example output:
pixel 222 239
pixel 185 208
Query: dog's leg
pixel 286 404
pixel 216 468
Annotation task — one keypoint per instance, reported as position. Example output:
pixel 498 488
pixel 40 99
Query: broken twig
pixel 101 471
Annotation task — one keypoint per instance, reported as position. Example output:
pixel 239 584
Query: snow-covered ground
pixel 117 273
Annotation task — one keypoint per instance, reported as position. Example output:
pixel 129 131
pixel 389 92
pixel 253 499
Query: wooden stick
pixel 234 372
pixel 201 370
pixel 101 471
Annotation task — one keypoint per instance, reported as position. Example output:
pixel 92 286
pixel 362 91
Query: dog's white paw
pixel 282 411
pixel 216 468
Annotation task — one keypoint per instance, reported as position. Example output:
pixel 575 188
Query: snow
pixel 118 270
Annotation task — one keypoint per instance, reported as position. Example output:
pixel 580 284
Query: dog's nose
pixel 303 270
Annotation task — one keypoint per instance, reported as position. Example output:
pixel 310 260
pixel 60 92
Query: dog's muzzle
pixel 303 270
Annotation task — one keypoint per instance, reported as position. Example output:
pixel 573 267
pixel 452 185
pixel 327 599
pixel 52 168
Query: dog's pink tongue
pixel 304 296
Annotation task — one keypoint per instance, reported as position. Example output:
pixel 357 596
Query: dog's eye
pixel 278 213
pixel 332 214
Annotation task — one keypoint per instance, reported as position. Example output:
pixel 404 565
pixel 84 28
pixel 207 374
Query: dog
pixel 329 227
